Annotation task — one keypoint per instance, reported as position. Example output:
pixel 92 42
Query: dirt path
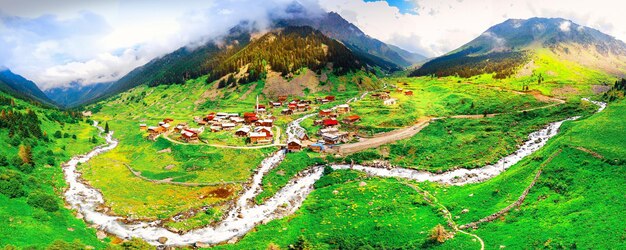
pixel 382 139
pixel 404 133
pixel 433 201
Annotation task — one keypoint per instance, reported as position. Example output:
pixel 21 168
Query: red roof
pixel 249 115
pixel 353 117
pixel 330 97
pixel 330 122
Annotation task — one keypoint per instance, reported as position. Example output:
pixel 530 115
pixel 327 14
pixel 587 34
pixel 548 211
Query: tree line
pixel 463 64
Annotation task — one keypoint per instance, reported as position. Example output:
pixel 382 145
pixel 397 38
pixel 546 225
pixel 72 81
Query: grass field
pixel 576 203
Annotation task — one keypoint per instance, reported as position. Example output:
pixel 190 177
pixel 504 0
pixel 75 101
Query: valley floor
pixel 454 214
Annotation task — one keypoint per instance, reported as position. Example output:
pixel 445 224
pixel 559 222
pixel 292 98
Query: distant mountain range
pixel 186 63
pixel 507 46
pixel 75 94
pixel 21 87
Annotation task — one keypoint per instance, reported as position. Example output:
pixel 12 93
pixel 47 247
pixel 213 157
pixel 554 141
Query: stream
pixel 245 214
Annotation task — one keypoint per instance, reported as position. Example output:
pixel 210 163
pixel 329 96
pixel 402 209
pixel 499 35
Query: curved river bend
pixel 245 215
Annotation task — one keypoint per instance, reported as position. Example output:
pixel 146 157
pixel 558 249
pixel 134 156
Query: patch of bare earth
pixel 599 89
pixel 527 70
pixel 277 85
pixel 564 91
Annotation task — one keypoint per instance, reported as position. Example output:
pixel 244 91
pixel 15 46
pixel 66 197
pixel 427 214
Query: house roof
pixel 353 117
pixel 165 125
pixel 293 140
pixel 142 125
pixel 228 124
pixel 330 122
pixel 244 129
pixel 257 134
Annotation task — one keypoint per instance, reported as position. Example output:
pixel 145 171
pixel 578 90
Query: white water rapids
pixel 245 215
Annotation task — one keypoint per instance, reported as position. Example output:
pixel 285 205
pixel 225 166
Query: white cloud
pixel 565 25
pixel 55 42
pixel 55 45
pixel 444 25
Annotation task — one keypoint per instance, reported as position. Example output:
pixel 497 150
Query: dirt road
pixel 383 138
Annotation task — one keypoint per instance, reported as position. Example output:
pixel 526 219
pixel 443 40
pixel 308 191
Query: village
pixel 258 127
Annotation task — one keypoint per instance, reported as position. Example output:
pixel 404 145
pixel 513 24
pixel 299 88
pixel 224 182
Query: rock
pixel 89 247
pixel 162 240
pixel 464 211
pixel 167 150
pixel 501 246
pixel 169 167
pixel 70 229
pixel 79 216
pixel 471 195
pixel 202 245
pixel 101 235
pixel 335 192
pixel 362 184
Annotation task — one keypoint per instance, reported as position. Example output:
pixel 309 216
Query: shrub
pixel 11 186
pixel 439 234
pixel 44 201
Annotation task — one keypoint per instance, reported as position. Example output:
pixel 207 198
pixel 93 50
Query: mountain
pixel 22 88
pixel 284 50
pixel 335 26
pixel 516 43
pixel 73 95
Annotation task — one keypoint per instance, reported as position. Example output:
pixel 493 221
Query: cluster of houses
pixel 251 125
pixel 186 133
pixel 329 133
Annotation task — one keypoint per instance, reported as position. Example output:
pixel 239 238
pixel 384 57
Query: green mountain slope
pixel 21 87
pixel 515 44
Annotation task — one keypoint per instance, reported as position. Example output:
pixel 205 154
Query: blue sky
pixel 404 6
pixel 57 42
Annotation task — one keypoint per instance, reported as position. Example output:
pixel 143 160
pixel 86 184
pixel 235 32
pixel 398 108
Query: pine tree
pixel 106 128
pixel 25 153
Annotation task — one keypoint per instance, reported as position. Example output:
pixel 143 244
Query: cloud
pixel 565 26
pixel 105 43
pixel 57 42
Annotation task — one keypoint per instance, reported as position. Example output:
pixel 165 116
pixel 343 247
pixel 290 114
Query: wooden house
pixel 318 122
pixel 292 106
pixel 342 109
pixel 388 102
pixel 202 123
pixel 228 125
pixel 325 112
pixel 282 98
pixel 265 130
pixel 143 127
pixel 215 128
pixel 189 135
pixel 243 131
pixel 209 117
pixel 302 107
pixel 294 145
pixel 250 117
pixel 317 147
pixel 258 137
pixel 287 112
pixel 265 123
pixel 330 98
pixel 168 120
pixel 301 135
pixel 351 119
pixel 330 123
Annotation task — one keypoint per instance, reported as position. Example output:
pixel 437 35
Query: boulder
pixel 362 184
pixel 101 235
pixel 162 240
pixel 464 211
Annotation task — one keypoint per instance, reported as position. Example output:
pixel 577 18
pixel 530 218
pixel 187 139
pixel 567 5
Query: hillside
pixel 22 88
pixel 506 48
pixel 36 140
